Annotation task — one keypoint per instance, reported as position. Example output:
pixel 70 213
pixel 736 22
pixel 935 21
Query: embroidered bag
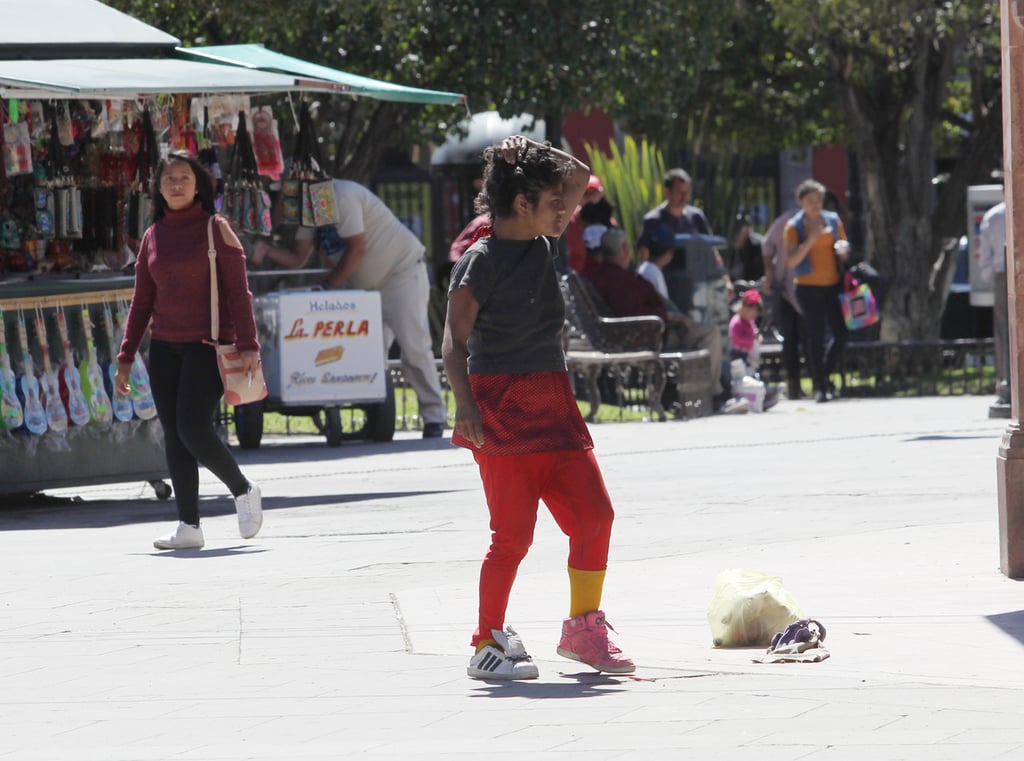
pixel 858 303
pixel 321 202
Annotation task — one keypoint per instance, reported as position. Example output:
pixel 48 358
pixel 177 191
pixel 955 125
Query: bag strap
pixel 214 301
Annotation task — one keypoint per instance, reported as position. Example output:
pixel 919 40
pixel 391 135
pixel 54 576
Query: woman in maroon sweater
pixel 172 291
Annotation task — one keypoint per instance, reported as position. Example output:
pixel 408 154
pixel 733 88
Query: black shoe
pixel 820 396
pixel 433 430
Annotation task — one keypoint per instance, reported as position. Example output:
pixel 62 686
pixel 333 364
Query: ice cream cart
pixel 322 351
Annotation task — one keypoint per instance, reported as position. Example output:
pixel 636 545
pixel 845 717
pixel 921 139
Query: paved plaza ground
pixel 342 630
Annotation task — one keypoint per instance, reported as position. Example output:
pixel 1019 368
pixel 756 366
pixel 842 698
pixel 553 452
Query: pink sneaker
pixel 585 639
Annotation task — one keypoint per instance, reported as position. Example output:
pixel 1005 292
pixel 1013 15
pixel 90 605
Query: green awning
pixel 133 77
pixel 259 57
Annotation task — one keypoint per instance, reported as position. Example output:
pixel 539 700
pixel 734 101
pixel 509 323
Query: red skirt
pixel 527 412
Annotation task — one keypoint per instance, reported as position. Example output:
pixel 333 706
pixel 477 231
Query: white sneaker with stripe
pixel 506 660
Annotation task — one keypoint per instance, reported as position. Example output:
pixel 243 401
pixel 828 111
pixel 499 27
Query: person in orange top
pixel 816 248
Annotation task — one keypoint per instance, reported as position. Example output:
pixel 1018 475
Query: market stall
pixel 88 109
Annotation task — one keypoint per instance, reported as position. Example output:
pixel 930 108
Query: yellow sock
pixel 585 589
pixel 484 643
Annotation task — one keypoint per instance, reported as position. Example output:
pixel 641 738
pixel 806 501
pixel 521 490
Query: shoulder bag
pixel 240 387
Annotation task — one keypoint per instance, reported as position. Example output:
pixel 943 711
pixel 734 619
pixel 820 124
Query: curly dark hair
pixel 535 171
pixel 204 184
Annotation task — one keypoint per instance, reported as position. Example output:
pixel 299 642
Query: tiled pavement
pixel 342 630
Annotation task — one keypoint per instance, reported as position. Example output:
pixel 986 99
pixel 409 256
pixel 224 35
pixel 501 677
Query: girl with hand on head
pixel 515 408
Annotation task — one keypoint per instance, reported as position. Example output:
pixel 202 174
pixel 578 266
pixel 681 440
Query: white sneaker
pixel 509 660
pixel 249 507
pixel 735 406
pixel 185 537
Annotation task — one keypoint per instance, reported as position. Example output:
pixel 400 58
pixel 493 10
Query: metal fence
pixel 909 368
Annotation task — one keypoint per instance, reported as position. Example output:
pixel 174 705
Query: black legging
pixel 791 324
pixel 820 305
pixel 187 389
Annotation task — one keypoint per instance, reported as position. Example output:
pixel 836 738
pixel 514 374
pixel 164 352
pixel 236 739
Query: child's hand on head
pixel 513 149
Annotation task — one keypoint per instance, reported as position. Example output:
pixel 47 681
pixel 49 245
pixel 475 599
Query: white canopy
pixel 34 25
pixel 133 77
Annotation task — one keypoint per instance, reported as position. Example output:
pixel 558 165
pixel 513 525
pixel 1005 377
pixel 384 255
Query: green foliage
pixel 710 83
pixel 632 179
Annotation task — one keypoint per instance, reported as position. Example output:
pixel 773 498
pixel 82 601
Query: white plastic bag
pixel 748 607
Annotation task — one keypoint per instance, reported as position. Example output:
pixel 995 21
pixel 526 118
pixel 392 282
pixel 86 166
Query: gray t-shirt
pixel 519 326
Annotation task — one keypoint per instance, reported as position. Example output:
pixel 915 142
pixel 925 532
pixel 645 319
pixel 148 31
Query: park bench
pixel 627 351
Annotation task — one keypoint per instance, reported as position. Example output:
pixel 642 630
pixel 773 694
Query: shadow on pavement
pixel 281 449
pixel 220 552
pixel 41 511
pixel 944 437
pixel 1011 623
pixel 587 685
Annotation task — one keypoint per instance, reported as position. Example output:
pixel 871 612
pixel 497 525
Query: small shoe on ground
pixel 585 639
pixel 249 507
pixel 735 406
pixel 185 537
pixel 506 660
pixel 433 430
pixel 820 396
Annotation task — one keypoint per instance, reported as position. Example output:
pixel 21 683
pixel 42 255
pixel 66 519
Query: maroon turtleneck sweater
pixel 172 286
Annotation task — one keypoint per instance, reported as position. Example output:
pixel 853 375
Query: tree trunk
pixel 896 160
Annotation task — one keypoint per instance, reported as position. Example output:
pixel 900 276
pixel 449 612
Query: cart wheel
pixel 332 426
pixel 249 424
pixel 161 489
pixel 380 418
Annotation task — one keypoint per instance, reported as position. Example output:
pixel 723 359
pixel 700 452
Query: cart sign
pixel 330 346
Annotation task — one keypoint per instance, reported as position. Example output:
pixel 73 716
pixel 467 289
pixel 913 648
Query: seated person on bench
pixel 627 294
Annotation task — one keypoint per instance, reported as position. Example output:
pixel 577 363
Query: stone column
pixel 1010 460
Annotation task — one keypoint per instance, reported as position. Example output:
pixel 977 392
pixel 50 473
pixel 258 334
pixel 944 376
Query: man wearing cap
pixel 574 232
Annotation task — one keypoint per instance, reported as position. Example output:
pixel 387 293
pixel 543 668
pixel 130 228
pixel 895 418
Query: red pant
pixel 571 486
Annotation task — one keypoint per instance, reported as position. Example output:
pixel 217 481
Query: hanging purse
pixel 291 201
pixel 858 303
pixel 240 387
pixel 140 203
pixel 266 143
pixel 308 191
pixel 67 211
pixel 249 202
pixel 321 201
pixel 17 149
pixel 208 156
pixel 45 211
